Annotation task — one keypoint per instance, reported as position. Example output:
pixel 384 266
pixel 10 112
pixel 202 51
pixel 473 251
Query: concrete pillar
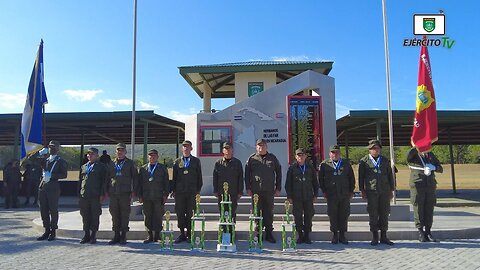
pixel 82 146
pixel 145 141
pixel 452 162
pixel 207 98
pixel 379 131
pixel 16 142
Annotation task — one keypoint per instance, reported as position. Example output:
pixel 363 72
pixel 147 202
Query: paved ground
pixel 19 250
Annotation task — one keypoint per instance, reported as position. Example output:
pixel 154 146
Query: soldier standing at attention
pixel 228 169
pixel 302 190
pixel 153 192
pixel 377 186
pixel 263 176
pixel 423 186
pixel 92 188
pixel 121 187
pixel 337 182
pixel 49 190
pixel 187 183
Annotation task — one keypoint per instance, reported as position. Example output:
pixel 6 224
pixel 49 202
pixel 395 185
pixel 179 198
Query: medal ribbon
pixel 303 168
pixel 337 165
pixel 152 171
pixel 118 167
pixel 376 163
pixel 186 162
pixel 89 168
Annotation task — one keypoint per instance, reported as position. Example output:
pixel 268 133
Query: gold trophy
pixel 226 227
pixel 289 242
pixel 166 242
pixel 197 242
pixel 255 242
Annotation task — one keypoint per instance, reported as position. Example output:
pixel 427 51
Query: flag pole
pixel 390 121
pixel 44 126
pixel 134 75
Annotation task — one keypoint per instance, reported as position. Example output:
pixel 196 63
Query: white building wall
pixel 269 80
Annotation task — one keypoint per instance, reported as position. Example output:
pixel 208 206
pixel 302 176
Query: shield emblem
pixel 429 24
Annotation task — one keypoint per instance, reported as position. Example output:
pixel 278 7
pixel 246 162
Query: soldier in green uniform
pixel 423 187
pixel 228 169
pixel 302 190
pixel 49 190
pixel 263 176
pixel 121 188
pixel 153 192
pixel 187 183
pixel 92 188
pixel 377 186
pixel 337 182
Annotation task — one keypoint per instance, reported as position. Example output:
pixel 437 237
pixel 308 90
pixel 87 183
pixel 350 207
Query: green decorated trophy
pixel 166 241
pixel 226 227
pixel 255 238
pixel 197 239
pixel 289 231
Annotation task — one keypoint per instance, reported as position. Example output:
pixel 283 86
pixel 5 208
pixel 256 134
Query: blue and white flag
pixel 31 134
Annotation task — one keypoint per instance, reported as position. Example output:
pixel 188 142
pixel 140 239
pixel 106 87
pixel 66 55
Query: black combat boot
pixel 374 241
pixel 384 239
pixel 156 236
pixel 116 238
pixel 428 235
pixel 306 238
pixel 421 235
pixel 123 238
pixel 93 237
pixel 269 237
pixel 334 238
pixel 86 238
pixel 44 235
pixel 181 237
pixel 342 238
pixel 149 238
pixel 300 237
pixel 52 235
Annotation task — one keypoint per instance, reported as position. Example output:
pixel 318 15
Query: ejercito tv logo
pixel 429 25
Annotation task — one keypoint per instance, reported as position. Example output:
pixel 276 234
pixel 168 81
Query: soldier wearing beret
pixel 230 170
pixel 423 186
pixel 263 176
pixel 301 186
pixel 187 183
pixel 49 190
pixel 153 192
pixel 377 185
pixel 121 188
pixel 337 182
pixel 92 189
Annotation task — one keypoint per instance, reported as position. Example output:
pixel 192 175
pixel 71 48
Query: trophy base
pixel 226 248
pixel 289 250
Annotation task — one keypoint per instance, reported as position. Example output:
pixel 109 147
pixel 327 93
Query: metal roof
pixel 221 77
pixel 98 128
pixel 358 127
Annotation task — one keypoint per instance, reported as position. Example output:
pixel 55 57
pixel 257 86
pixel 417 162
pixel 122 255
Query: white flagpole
pixel 134 75
pixel 390 121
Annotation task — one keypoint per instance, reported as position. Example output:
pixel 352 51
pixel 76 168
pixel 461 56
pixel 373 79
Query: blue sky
pixel 88 50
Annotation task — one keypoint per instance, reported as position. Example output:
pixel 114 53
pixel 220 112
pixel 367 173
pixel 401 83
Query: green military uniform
pixel 263 175
pixel 230 171
pixel 92 185
pixel 187 183
pixel 422 190
pixel 123 182
pixel 301 186
pixel 337 182
pixel 153 189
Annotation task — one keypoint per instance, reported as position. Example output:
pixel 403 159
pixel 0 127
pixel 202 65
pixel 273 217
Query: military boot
pixel 115 239
pixel 93 237
pixel 86 238
pixel 123 238
pixel 181 237
pixel 384 239
pixel 306 238
pixel 421 235
pixel 156 236
pixel 428 235
pixel 342 238
pixel 334 238
pixel 300 237
pixel 44 235
pixel 149 238
pixel 269 237
pixel 52 235
pixel 374 241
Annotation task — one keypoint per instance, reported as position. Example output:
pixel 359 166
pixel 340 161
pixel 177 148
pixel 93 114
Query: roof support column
pixel 178 143
pixel 145 141
pixel 82 146
pixel 346 145
pixel 452 163
pixel 207 98
pixel 16 142
pixel 379 131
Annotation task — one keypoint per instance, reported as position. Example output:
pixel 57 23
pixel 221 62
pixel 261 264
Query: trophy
pixel 226 227
pixel 289 231
pixel 255 238
pixel 166 242
pixel 197 242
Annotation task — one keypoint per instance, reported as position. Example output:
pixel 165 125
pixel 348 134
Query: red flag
pixel 425 127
